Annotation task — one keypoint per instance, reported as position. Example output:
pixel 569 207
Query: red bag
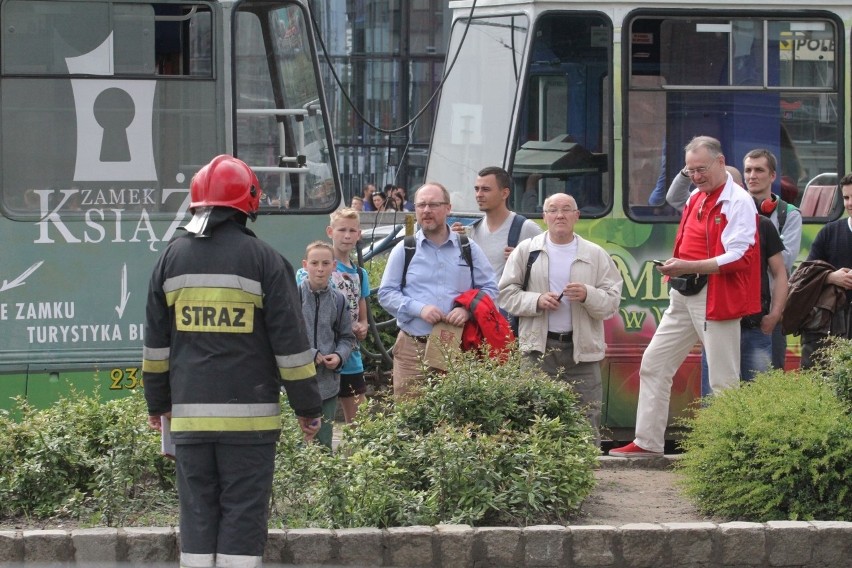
pixel 486 325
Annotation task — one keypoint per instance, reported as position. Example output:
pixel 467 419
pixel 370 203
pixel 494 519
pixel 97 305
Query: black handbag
pixel 688 284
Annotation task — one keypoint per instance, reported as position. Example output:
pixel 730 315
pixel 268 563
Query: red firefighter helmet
pixel 226 182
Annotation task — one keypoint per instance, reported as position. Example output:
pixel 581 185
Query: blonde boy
pixel 329 329
pixel 344 230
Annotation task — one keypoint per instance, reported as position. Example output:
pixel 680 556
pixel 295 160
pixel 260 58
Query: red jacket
pixel 733 240
pixel 486 325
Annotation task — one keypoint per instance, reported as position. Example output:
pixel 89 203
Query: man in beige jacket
pixel 572 287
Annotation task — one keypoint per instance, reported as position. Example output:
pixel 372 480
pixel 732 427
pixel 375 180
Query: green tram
pixel 598 99
pixel 107 109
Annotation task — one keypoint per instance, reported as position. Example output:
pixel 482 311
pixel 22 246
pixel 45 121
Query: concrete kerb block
pixel 150 545
pixel 48 547
pixel 276 551
pixel 691 544
pixel 593 545
pixel 96 545
pixel 455 545
pixel 832 544
pixel 11 547
pixel 643 545
pixel 656 462
pixel 789 543
pixel 499 546
pixel 409 546
pixel 360 547
pixel 311 546
pixel 743 544
pixel 546 545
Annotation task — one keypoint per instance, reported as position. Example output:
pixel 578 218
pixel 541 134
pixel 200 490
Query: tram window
pixel 751 82
pixel 40 37
pixel 107 108
pixel 279 130
pixel 563 137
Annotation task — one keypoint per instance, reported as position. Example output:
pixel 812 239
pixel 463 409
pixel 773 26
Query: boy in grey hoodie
pixel 329 328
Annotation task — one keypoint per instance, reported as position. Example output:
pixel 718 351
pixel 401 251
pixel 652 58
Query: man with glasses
pixel 422 293
pixel 562 288
pixel 714 275
pixel 759 168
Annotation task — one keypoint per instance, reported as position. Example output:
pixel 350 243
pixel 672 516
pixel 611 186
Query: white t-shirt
pixel 494 243
pixel 560 258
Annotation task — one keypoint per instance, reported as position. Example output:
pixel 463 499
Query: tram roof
pixel 535 5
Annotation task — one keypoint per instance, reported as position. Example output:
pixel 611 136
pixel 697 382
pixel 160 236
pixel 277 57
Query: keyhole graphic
pixel 114 110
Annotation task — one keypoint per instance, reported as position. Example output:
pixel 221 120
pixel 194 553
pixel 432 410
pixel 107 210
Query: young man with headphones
pixel 759 172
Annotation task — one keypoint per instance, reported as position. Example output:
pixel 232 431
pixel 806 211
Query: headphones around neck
pixel 767 206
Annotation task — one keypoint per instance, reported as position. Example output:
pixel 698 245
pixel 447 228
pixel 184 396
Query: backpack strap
pixel 530 260
pixel 467 255
pixel 515 230
pixel 782 208
pixel 410 247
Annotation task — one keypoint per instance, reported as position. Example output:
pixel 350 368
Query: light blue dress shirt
pixel 436 276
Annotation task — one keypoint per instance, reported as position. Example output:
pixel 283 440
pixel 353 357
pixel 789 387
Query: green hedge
pixel 84 459
pixel 779 448
pixel 486 445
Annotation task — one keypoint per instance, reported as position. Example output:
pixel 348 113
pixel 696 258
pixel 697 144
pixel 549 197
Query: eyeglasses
pixel 565 211
pixel 430 205
pixel 699 171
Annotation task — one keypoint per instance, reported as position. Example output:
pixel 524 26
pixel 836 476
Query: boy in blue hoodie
pixel 329 328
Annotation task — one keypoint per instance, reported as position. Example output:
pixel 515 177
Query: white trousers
pixel 683 324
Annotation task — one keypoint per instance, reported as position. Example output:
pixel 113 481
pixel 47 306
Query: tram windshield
pixel 485 76
pixel 109 108
pixel 279 129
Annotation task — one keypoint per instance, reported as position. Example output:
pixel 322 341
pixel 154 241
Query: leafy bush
pixel 780 448
pixel 835 366
pixel 485 444
pixel 83 459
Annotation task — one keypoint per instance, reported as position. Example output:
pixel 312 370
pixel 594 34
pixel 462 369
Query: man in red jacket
pixel 714 275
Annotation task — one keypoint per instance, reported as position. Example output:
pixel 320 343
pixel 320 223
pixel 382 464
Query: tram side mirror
pixel 559 156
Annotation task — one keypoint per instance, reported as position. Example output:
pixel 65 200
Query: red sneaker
pixel 631 450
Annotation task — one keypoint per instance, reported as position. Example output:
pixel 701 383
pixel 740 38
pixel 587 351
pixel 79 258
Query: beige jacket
pixel 593 267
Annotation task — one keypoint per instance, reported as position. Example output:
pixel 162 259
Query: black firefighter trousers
pixel 224 491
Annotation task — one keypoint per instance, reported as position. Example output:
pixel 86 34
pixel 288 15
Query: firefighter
pixel 223 332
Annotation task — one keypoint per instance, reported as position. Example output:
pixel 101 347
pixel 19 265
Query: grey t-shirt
pixel 494 243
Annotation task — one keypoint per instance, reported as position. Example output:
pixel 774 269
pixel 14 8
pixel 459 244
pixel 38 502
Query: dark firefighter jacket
pixel 223 332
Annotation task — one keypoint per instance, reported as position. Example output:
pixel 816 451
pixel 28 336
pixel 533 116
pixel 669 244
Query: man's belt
pixel 565 337
pixel 417 338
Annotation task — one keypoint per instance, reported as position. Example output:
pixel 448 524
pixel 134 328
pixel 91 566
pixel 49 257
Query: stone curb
pixel 799 544
pixel 816 544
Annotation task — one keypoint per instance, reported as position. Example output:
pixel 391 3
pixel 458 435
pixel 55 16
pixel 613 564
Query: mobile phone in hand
pixel 658 262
